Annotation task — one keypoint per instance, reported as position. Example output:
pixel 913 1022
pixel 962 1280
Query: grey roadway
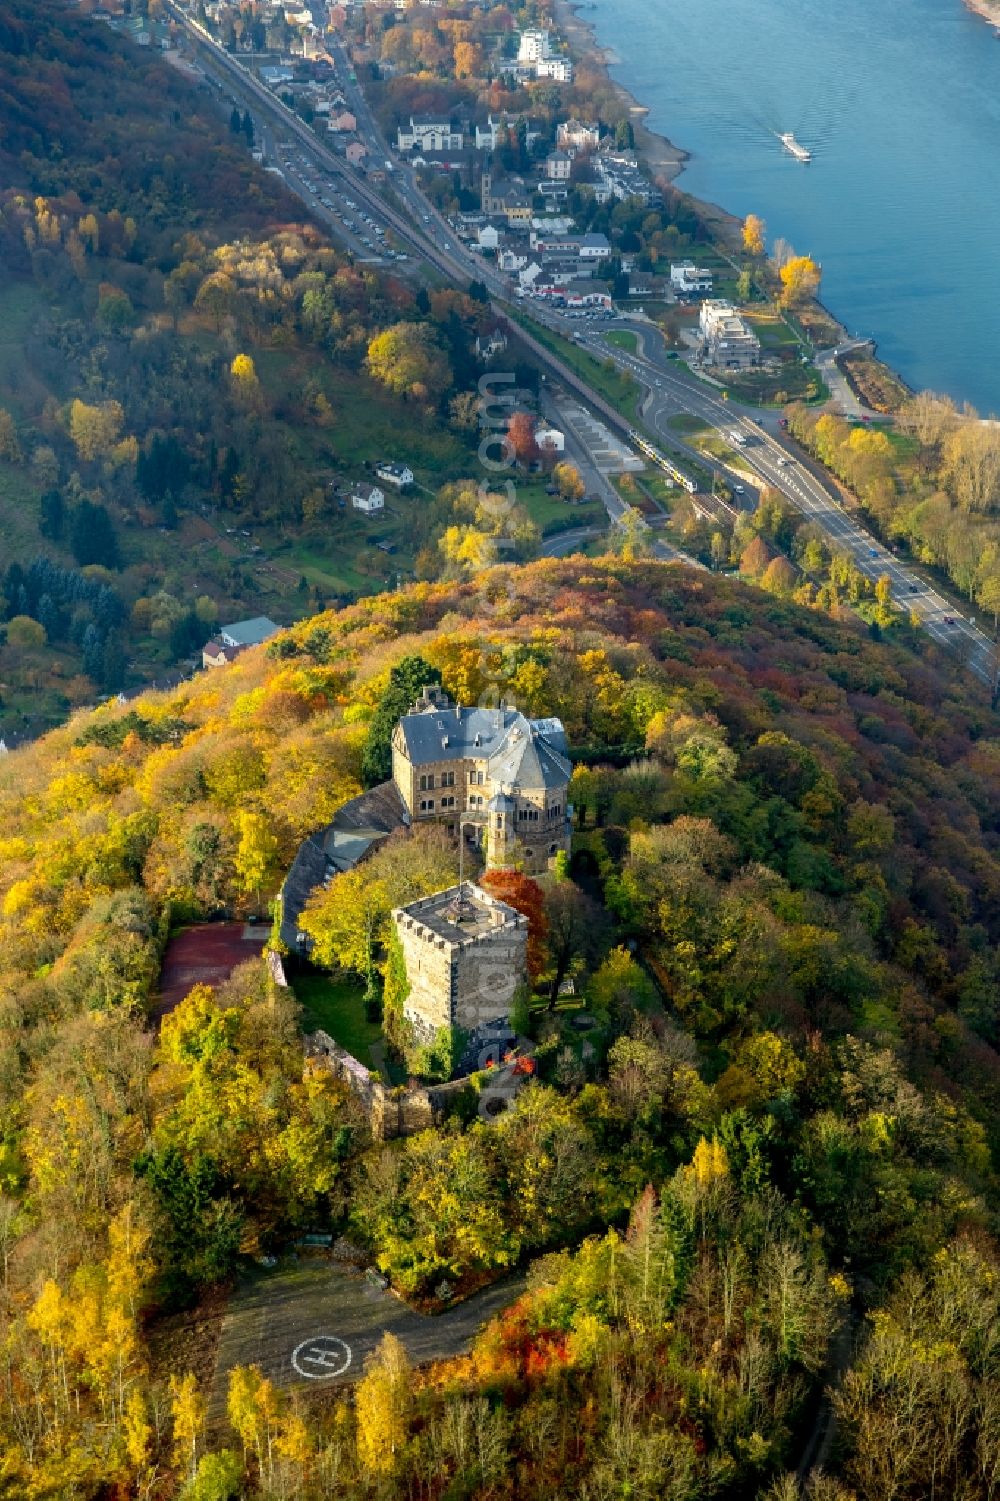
pixel 778 466
pixel 273 1315
pixel 670 392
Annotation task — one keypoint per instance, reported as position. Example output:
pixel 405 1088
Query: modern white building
pixel 533 46
pixel 689 280
pixel 560 69
pixel 728 341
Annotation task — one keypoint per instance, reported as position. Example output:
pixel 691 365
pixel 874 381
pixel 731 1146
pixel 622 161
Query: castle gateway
pixel 494 767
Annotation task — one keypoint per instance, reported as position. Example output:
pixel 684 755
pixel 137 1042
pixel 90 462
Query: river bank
pixel 872 380
pixel 664 160
pixel 988 9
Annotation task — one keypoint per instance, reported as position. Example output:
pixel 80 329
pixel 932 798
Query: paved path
pixel 329 1319
pixel 839 386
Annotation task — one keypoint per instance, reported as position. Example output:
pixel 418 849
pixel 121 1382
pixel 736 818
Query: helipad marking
pixel 322 1356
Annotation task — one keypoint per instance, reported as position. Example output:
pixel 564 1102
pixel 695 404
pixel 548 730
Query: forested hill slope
pixel 798 830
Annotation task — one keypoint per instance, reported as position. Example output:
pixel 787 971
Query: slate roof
pixel 527 760
pixel 249 632
pixel 520 752
pixel 354 830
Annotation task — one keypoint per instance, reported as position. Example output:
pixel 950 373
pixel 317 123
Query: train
pixel 662 462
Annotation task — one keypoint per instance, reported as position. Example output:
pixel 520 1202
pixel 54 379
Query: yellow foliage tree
pixel 187 1412
pixel 256 852
pixel 381 1406
pixel 800 278
pixel 95 429
pixel 10 448
pixel 754 231
pixel 467 548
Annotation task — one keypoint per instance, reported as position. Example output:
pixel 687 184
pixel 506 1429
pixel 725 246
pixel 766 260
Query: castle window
pixel 430 782
pixel 479 779
pixel 472 778
pixel 423 784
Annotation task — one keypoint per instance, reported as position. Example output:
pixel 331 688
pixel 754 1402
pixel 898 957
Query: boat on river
pixel 800 153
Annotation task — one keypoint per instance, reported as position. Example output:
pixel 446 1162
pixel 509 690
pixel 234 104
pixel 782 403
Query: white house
pixel 550 437
pixel 594 247
pixel 429 133
pixel 578 135
pixel 489 237
pixel 558 166
pixel 399 475
pixel 533 46
pixel 486 135
pixel 686 279
pixel 511 260
pixel 367 498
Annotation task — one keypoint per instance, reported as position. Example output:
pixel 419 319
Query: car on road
pixel 914 588
pixel 784 462
pixel 873 552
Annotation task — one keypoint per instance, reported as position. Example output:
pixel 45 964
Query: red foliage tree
pixel 524 895
pixel 521 436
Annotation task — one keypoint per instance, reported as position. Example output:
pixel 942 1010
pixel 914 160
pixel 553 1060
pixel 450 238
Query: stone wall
pixel 488 972
pixel 429 972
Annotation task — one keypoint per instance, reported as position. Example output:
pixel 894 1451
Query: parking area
pixel 315 1322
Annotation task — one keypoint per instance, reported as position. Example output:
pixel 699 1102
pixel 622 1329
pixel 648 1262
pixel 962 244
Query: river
pixel 900 106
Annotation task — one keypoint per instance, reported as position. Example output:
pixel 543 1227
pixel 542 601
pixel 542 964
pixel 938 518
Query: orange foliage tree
pixel 524 895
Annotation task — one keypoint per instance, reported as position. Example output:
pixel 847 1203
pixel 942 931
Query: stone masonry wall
pixel 488 973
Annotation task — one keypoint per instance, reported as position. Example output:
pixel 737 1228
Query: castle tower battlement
pixel 465 954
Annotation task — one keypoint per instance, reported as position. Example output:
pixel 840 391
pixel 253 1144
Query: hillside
pixel 186 397
pixel 781 916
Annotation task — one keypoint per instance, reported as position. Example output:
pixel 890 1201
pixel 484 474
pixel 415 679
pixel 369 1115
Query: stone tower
pixel 465 954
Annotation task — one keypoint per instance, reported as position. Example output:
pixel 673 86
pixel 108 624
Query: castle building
pixel 494 768
pixel 465 954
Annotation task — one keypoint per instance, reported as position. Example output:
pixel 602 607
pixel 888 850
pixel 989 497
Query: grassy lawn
pixel 552 514
pixel 622 338
pixel 20 305
pixel 333 1003
pixel 686 423
pixel 616 386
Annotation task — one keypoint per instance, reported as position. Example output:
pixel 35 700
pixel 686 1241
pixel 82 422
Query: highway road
pixel 668 392
pixel 779 465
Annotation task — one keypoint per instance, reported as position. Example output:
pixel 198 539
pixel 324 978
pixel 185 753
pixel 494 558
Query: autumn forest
pixel 739 1226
